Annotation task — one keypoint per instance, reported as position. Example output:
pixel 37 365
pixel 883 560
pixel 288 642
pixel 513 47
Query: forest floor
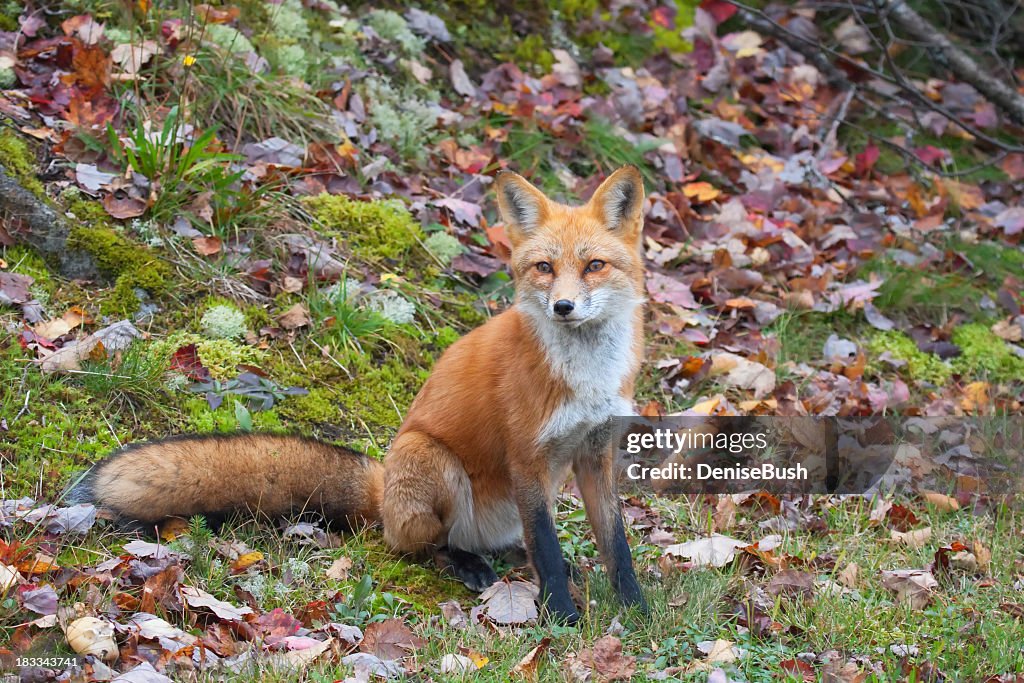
pixel 280 216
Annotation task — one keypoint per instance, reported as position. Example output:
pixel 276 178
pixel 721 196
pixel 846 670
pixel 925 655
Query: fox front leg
pixel 596 480
pixel 545 553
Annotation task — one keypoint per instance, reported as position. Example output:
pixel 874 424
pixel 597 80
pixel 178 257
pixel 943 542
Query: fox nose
pixel 564 307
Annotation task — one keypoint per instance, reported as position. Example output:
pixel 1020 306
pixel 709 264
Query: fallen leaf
pixel 713 551
pixel 916 538
pixel 195 597
pixel 940 501
pixel 207 246
pixel 528 665
pixel 913 586
pixel 295 317
pixel 339 569
pixel 510 602
pixel 390 639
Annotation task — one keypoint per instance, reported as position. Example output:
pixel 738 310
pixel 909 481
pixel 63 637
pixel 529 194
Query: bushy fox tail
pixel 219 475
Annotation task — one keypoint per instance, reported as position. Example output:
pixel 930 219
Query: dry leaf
pixel 714 551
pixel 390 639
pixel 527 666
pixel 510 602
pixel 195 597
pixel 339 569
pixel 848 576
pixel 940 500
pixel 295 317
pixel 913 586
pixel 916 538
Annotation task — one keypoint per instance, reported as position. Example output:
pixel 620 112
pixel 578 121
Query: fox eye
pixel 594 266
pixel 544 267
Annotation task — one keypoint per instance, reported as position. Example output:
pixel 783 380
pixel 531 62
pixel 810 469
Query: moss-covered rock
pixel 19 162
pixel 375 229
pixel 133 265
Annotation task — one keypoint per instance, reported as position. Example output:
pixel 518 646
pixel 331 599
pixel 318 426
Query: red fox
pixel 489 440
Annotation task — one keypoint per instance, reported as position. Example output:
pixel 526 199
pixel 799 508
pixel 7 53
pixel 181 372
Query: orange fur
pixel 508 410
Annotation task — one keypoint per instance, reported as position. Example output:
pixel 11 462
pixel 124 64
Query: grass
pixel 963 632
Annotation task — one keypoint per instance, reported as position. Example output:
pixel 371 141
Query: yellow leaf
pixel 941 501
pixel 245 561
pixel 975 397
pixel 172 528
pixel 701 191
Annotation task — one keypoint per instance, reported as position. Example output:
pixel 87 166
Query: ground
pixel 289 203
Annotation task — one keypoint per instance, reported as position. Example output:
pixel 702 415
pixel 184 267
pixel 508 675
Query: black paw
pixel 562 611
pixel 469 568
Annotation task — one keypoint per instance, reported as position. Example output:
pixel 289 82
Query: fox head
pixel 575 265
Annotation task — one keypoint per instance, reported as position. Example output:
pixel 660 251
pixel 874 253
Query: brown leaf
pixel 390 639
pixel 207 246
pixel 915 538
pixel 606 661
pixel 295 317
pixel 528 665
pixel 848 576
pixel 913 586
pixel 510 602
pixel 162 589
pixel 122 205
pixel 791 583
pixel 339 569
pixel 940 500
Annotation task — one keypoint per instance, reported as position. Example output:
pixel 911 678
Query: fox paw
pixel 469 568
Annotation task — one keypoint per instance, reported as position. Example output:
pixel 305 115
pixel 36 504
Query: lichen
pixel 403 116
pixel 444 247
pixel 392 306
pixel 376 229
pixel 287 22
pixel 392 27
pixel 223 322
pixel 920 365
pixel 985 354
pixel 227 38
pixel 19 162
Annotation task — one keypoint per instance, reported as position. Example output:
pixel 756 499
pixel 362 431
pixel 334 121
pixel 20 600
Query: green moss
pixel 57 432
pixel 27 261
pixel 201 420
pixel 380 392
pixel 920 366
pixel 318 407
pixel 423 586
pixel 533 50
pixel 131 264
pixel 19 162
pixel 985 355
pixel 220 356
pixel 375 229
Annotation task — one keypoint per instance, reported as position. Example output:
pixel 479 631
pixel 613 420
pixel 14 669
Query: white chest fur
pixel 593 361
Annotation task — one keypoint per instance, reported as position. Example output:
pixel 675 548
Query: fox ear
pixel 523 207
pixel 619 201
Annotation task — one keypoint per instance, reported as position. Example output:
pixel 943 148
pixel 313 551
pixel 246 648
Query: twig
pixel 960 63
